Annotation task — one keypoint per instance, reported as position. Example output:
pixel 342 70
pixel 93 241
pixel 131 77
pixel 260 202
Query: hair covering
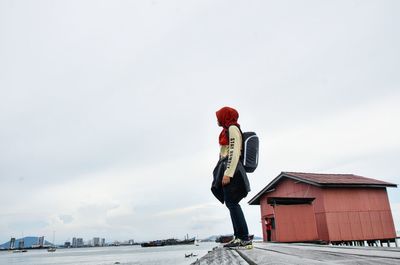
pixel 226 117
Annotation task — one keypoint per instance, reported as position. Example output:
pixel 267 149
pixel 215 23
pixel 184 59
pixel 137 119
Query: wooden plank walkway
pixel 301 254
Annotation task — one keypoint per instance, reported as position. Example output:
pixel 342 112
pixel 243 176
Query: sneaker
pixel 231 241
pixel 246 244
pixel 234 243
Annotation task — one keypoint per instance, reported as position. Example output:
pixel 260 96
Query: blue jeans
pixel 238 221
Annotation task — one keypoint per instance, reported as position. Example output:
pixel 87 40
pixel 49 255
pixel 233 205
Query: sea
pixel 123 255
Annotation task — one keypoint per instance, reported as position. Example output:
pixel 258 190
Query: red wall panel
pixel 351 199
pixel 295 223
pixel 333 226
pixel 322 228
pixel 376 224
pixel 387 224
pixel 355 225
pixel 366 225
pixel 344 225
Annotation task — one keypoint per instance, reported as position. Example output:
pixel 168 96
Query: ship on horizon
pixel 169 242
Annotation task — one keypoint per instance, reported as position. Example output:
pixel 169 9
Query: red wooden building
pixel 326 207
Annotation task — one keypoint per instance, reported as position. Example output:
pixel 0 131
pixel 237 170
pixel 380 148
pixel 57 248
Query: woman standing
pixel 234 183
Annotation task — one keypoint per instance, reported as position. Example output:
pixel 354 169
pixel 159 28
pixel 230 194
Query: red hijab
pixel 226 117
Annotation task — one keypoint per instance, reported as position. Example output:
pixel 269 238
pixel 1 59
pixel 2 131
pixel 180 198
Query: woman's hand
pixel 226 180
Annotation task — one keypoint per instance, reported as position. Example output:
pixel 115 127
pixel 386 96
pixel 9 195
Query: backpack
pixel 250 146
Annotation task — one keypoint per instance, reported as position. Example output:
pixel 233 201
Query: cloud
pixel 187 210
pixel 27 225
pixel 348 135
pixel 66 218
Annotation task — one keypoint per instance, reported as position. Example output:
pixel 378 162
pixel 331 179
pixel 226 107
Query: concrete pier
pixel 301 254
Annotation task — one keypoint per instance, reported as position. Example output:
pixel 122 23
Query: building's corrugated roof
pixel 324 180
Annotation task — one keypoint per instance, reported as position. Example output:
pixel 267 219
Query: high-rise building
pixel 41 241
pixel 103 242
pixel 74 242
pixel 79 242
pixel 21 243
pixel 96 241
pixel 12 243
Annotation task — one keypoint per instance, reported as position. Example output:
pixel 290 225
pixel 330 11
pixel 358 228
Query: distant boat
pixel 19 250
pixel 158 243
pixel 169 242
pixel 187 241
pixel 51 249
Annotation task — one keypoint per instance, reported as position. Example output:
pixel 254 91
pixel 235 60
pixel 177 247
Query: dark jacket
pixel 237 189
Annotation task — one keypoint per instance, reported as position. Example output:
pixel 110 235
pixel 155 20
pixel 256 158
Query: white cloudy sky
pixel 107 108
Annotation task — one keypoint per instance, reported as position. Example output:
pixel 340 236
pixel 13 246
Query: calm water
pixel 127 255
